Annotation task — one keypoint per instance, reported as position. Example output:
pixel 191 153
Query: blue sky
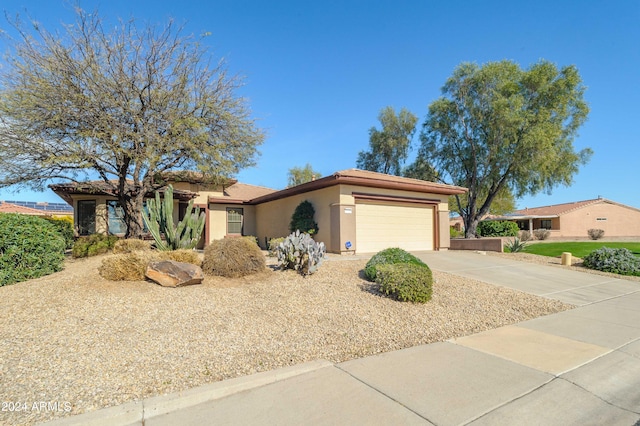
pixel 318 73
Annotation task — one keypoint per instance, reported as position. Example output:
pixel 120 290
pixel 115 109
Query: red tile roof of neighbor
pixel 12 208
pixel 560 209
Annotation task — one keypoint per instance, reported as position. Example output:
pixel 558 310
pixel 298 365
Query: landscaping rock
pixel 169 273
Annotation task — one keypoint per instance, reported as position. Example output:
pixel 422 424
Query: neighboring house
pixel 573 220
pixel 36 208
pixel 356 210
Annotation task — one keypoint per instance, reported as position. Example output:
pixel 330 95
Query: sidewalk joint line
pixel 599 397
pixel 497 407
pixel 581 287
pixel 384 394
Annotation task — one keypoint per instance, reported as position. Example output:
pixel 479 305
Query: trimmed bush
pixel 407 282
pixel 302 219
pixel 497 228
pixel 389 256
pixel 182 255
pixel 131 266
pixel 30 247
pixel 64 226
pixel 616 260
pixel 93 245
pixel 232 258
pixel 127 266
pixel 541 234
pixel 595 234
pixel 131 244
pixel 525 235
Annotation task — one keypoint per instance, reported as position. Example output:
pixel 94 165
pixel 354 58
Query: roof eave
pixel 345 179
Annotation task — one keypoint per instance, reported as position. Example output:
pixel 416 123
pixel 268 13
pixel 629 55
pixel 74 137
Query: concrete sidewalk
pixel 576 367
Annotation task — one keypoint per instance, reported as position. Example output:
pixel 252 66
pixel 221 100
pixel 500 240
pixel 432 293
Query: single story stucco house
pixel 573 220
pixel 356 210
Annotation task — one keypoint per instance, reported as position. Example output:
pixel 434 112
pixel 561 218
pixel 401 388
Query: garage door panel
pixel 379 226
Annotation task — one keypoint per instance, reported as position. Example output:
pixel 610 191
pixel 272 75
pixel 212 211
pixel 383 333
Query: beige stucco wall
pixel 273 217
pixel 620 221
pixel 101 211
pixel 203 191
pixel 218 220
pixel 336 214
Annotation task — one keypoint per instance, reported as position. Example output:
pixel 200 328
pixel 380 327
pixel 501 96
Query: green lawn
pixel 578 248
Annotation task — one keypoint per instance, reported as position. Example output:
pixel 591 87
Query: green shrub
pixel 407 282
pixel 617 260
pixel 454 233
pixel 93 245
pixel 541 234
pixel 232 258
pixel 64 226
pixel 595 234
pixel 302 219
pixel 300 252
pixel 497 228
pixel 389 256
pixel 30 247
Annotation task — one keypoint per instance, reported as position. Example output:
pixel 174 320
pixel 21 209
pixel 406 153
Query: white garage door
pixel 380 226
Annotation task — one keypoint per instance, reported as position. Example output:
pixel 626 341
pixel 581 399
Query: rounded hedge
pixel 497 228
pixel 389 256
pixel 30 247
pixel 407 282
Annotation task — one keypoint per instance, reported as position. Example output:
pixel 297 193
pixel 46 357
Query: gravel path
pixel 80 343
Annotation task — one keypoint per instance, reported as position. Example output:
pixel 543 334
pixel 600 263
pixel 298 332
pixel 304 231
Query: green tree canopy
pixel 300 175
pixel 501 128
pixel 122 102
pixel 389 147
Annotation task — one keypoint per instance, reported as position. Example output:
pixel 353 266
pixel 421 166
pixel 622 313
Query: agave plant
pixel 515 245
pixel 159 220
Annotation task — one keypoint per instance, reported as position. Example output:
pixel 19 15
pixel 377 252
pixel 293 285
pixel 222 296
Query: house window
pixel 234 221
pixel 545 224
pixel 86 219
pixel 115 215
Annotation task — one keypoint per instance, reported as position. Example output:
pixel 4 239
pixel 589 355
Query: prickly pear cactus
pixel 300 252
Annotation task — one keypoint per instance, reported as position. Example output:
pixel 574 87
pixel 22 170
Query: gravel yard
pixel 75 339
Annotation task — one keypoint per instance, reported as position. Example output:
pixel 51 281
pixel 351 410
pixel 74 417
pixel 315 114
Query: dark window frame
pixel 86 226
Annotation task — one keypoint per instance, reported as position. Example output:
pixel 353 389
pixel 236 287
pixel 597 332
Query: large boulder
pixel 169 273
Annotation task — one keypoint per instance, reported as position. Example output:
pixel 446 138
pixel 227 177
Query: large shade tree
pixel 500 129
pixel 389 146
pixel 121 102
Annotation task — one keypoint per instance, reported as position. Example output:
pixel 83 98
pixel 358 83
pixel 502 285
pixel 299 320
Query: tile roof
pixel 12 208
pixel 243 191
pixel 556 209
